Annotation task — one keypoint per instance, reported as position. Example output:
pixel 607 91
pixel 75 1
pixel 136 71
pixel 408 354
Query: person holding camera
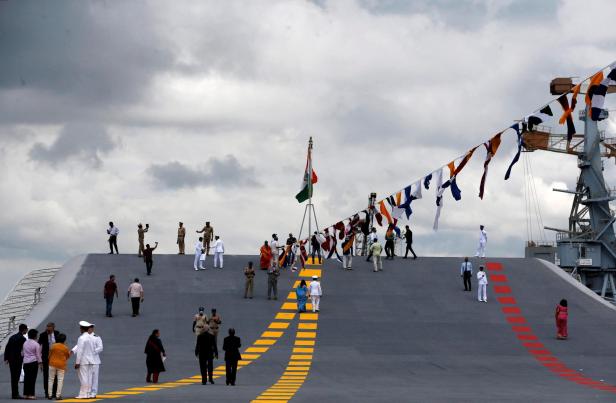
pixel 141 235
pixel 147 257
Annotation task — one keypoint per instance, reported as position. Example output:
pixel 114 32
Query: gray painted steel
pixel 407 334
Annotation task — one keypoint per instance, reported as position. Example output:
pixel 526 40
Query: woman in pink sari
pixel 561 315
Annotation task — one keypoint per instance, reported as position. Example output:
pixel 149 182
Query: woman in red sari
pixel 266 256
pixel 561 316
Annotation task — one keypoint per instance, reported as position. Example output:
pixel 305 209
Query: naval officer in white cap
pixel 315 293
pixel 98 348
pixel 85 359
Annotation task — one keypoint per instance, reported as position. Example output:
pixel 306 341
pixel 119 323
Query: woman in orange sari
pixel 266 256
pixel 561 316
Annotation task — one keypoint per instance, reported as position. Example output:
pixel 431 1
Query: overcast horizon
pixel 158 112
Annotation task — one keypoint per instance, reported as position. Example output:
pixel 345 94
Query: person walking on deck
pixel 206 351
pixel 408 237
pixel 466 272
pixel 231 346
pixel 249 273
pixel 562 316
pixel 154 356
pixel 315 293
pixel 200 322
pixel 214 323
pixel 375 251
pixel 301 293
pixel 135 294
pixel 109 292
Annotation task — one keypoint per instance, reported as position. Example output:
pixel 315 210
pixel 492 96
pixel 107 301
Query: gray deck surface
pixel 408 334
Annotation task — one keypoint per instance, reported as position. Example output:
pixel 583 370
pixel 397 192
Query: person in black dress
pixel 231 346
pixel 13 357
pixel 154 353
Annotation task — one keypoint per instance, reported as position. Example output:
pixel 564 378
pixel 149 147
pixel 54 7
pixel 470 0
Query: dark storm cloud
pixel 85 143
pixel 85 53
pixel 225 172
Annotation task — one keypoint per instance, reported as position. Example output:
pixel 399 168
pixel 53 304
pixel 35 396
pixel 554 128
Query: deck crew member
pixel 466 272
pixel 483 240
pixel 84 361
pixel 181 236
pixel 141 237
pixel 198 253
pixel 482 283
pixel 200 322
pixel 315 293
pixel 219 251
pixel 249 273
pixel 208 236
pixel 98 349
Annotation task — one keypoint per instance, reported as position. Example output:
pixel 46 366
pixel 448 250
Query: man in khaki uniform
pixel 208 236
pixel 181 236
pixel 214 324
pixel 141 234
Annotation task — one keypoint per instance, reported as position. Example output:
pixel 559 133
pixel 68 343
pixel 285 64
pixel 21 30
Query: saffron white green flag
pixel 310 178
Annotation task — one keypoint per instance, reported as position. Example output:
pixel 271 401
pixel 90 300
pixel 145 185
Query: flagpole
pixel 309 207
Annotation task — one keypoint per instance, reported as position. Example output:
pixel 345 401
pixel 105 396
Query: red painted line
pixel 494 266
pixel 498 278
pixel 516 319
pixel 506 300
pixel 537 349
pixel 502 289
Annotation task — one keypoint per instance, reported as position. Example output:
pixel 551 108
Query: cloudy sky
pixel 157 111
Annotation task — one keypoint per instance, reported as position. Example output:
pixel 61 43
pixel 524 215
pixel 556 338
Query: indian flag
pixel 310 178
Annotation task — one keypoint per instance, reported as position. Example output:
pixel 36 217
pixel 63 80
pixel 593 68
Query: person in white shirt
pixel 315 293
pixel 466 272
pixel 219 251
pixel 483 240
pixel 85 359
pixel 372 237
pixel 198 253
pixel 274 247
pixel 482 283
pixel 113 232
pixel 135 294
pixel 98 349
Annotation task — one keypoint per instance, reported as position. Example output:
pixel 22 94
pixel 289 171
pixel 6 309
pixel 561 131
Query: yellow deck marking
pixel 248 357
pixel 292 295
pixel 264 342
pixel 278 325
pixel 308 273
pixel 289 306
pixel 256 349
pixel 80 400
pixel 144 389
pixel 123 392
pixel 309 316
pixel 307 326
pixel 306 335
pixel 304 342
pixel 271 334
pixel 296 283
pixel 301 369
pixel 314 262
pixel 303 350
pixel 299 363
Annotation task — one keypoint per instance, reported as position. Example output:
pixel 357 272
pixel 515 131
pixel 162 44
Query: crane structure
pixel 587 248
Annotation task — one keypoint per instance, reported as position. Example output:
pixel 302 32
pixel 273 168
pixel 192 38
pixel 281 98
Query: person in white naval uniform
pixel 98 349
pixel 482 283
pixel 198 253
pixel 85 358
pixel 315 293
pixel 219 251
pixel 483 240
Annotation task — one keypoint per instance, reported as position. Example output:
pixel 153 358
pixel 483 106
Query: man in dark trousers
pixel 316 247
pixel 206 351
pixel 110 290
pixel 12 356
pixel 147 257
pixel 466 272
pixel 408 236
pixel 46 340
pixel 231 346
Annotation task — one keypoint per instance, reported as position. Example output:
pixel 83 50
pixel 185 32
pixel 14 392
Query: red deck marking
pixel 537 349
pixel 516 319
pixel 494 266
pixel 502 289
pixel 540 352
pixel 498 278
pixel 506 300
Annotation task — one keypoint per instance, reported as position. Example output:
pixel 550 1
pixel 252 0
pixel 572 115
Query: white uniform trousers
pixel 347 261
pixel 94 380
pixel 315 302
pixel 481 250
pixel 378 262
pixel 275 258
pixel 218 259
pixel 85 377
pixel 481 292
pixel 198 262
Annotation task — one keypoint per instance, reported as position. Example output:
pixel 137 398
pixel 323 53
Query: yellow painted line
pixel 264 342
pixel 144 389
pixel 105 397
pixel 188 380
pixel 285 316
pixel 80 400
pixel 307 326
pixel 172 384
pixel 277 394
pixel 272 334
pixel 278 325
pixel 304 342
pixel 310 272
pixel 300 369
pixel 256 350
pixel 296 283
pixel 301 357
pixel 314 262
pixel 292 295
pixel 306 335
pixel 303 350
pixel 241 363
pixel 299 363
pixel 309 316
pixel 289 306
pixel 265 399
pixel 248 357
pixel 123 392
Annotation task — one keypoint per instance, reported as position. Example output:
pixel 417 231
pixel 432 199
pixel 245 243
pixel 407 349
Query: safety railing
pixel 28 292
